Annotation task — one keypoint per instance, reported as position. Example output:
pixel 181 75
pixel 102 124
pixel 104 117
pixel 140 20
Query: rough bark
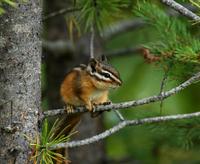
pixel 19 80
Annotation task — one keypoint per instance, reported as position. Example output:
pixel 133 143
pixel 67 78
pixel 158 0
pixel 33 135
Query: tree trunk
pixel 20 53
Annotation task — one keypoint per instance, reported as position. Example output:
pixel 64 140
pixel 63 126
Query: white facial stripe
pixel 96 74
pixel 103 77
pixel 116 79
pixel 100 76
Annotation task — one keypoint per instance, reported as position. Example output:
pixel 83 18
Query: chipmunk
pixel 86 85
pixel 89 85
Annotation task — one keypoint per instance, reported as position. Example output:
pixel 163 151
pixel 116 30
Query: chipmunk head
pixel 104 76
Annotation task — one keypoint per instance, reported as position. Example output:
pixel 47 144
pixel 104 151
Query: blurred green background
pixel 176 142
pixel 163 143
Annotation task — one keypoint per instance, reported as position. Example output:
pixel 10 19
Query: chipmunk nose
pixel 118 83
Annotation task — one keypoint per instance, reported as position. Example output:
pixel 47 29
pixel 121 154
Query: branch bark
pixel 181 9
pixel 117 106
pixel 122 125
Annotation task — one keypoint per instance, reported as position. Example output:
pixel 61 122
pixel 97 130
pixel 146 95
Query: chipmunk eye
pixel 106 75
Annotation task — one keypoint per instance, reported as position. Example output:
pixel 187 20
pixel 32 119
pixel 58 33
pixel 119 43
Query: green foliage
pixel 196 3
pixel 43 154
pixel 173 142
pixel 9 2
pixel 98 12
pixel 177 48
pixel 186 132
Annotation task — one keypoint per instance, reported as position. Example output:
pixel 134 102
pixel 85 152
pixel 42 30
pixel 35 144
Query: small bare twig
pixel 123 105
pixel 181 9
pixel 119 115
pixel 122 125
pixel 162 88
pixel 92 43
pixel 60 12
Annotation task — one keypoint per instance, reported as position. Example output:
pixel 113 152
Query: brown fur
pixel 83 94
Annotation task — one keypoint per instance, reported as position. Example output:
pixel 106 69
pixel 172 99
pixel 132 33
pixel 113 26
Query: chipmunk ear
pixel 103 58
pixel 93 64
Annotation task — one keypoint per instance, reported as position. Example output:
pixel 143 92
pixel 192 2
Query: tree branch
pixel 122 125
pixel 60 12
pixel 181 9
pixel 116 106
pixel 132 24
pixel 115 29
pixel 122 26
pixel 59 46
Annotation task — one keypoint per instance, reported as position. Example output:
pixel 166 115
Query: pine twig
pixel 134 103
pixel 181 9
pixel 122 125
